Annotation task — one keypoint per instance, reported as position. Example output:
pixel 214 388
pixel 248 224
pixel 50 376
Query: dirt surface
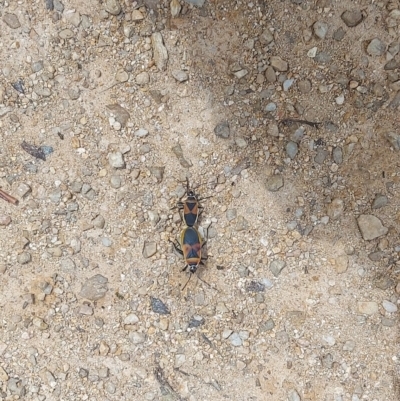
pixel 298 299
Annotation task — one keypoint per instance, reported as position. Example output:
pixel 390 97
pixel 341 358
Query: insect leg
pixel 177 248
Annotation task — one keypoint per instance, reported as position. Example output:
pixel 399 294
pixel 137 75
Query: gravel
pixel 125 101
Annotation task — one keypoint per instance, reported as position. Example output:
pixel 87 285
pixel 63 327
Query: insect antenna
pixel 187 282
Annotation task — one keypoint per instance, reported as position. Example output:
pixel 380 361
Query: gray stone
pixel 337 155
pixel 73 93
pixel 376 47
pixel 175 7
pixel 388 322
pixel 395 102
pixel 241 73
pixel 137 15
pixel 352 17
pixel 106 242
pixel 274 183
pixel 241 224
pixel 379 201
pixel 160 53
pixel 293 395
pixel 320 29
pixel 137 338
pixel 99 222
pixel 55 196
pixel 143 78
pixel 371 227
pixel 11 20
pixel 341 263
pixel 159 306
pixel 222 130
pixel 368 308
pixel 23 190
pixel 141 133
pixel 67 265
pixel 270 107
pixel 131 319
pixel 116 160
pixel 392 64
pixel 268 325
pixel 279 64
pixel 339 34
pixel 231 214
pixel 327 361
pixel 94 288
pixel 66 34
pixel 266 37
pixel 389 307
pixel 121 114
pixel 112 6
pixel 270 74
pixel 37 66
pixel 321 155
pixel 180 76
pixel 16 387
pixel 323 57
pixel 158 172
pixel 384 283
pixel 287 84
pixel 235 339
pixel 335 209
pixel 276 266
pixel 24 258
pixel 349 345
pixel 115 181
pixel 58 6
pixel 86 310
pixel 292 149
pixel 5 220
pixel 149 249
pixel 304 85
pixel 394 140
pixel 298 135
pixel 178 151
pixel 49 5
pixel 197 3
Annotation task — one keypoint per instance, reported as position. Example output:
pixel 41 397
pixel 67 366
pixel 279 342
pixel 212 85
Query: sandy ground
pixel 298 299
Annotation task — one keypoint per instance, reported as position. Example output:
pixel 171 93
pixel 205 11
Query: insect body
pixel 191 207
pixel 190 247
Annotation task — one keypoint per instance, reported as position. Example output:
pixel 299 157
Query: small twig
pixel 112 86
pixel 8 198
pixel 288 121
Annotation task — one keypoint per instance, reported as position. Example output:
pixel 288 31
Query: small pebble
pixel 235 339
pixel 180 76
pixel 276 267
pixel 222 130
pixel 292 149
pixel 376 47
pixel 149 249
pixel 24 258
pixel 116 160
pixel 389 306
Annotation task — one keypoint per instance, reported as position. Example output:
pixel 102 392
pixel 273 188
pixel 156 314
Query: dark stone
pixel 159 307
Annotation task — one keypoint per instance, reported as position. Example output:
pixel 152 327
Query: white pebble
pixel 312 52
pixel 389 306
pixel 340 99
